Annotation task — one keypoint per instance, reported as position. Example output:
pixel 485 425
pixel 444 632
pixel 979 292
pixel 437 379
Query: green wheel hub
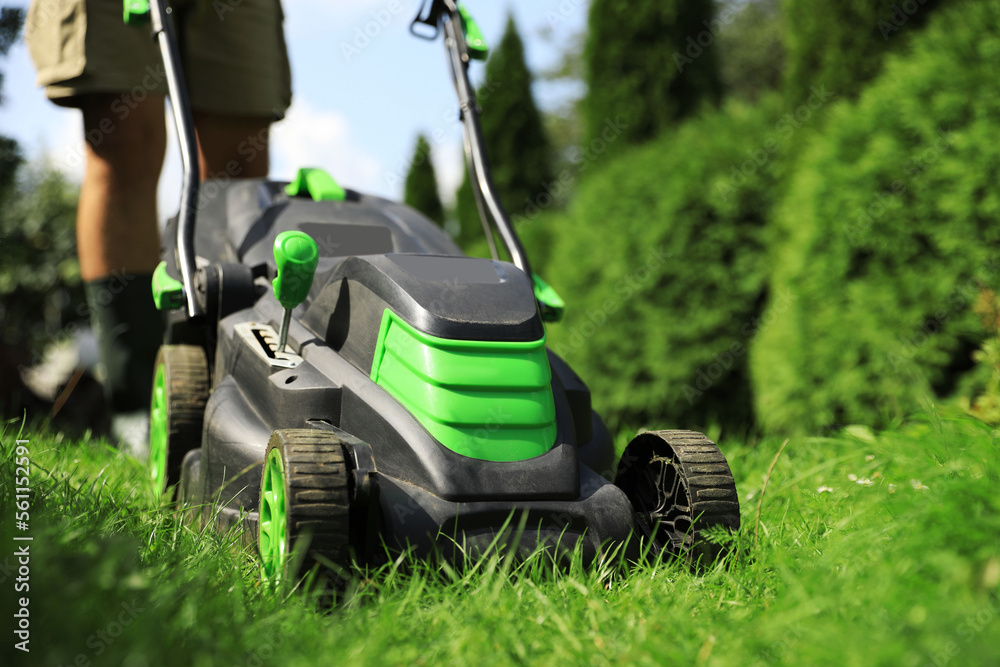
pixel 176 411
pixel 158 430
pixel 273 517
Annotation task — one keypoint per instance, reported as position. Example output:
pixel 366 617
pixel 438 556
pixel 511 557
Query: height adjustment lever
pixel 297 256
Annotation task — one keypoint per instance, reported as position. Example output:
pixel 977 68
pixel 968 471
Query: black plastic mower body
pixel 375 256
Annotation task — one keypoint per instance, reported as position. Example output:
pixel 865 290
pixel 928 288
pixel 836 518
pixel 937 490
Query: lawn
pixel 870 549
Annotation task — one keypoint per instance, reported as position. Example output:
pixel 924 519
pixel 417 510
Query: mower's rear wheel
pixel 180 391
pixel 681 488
pixel 304 513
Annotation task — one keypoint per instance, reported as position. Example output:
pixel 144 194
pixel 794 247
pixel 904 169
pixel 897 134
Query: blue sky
pixel 357 106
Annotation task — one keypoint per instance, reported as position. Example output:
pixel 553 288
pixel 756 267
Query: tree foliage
pixel 841 43
pixel 40 287
pixel 887 237
pixel 752 50
pixel 648 64
pixel 519 151
pixel 421 190
pixel 11 19
pixel 661 258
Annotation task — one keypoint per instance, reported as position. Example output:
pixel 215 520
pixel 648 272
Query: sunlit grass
pixel 895 561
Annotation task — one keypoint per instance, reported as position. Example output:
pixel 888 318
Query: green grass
pixel 892 573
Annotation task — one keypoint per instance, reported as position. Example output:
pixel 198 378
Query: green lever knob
pixel 296 255
pixel 136 12
pixel 474 40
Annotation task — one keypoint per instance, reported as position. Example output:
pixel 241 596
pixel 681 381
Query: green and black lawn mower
pixel 340 381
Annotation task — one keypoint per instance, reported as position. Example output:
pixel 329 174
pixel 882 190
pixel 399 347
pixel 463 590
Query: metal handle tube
pixel 180 106
pixel 475 152
pixel 477 195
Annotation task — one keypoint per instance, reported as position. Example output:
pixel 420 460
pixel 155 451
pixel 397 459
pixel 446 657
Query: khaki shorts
pixel 233 53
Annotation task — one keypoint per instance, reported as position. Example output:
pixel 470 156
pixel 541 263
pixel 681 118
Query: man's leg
pixel 119 246
pixel 232 147
pixel 116 220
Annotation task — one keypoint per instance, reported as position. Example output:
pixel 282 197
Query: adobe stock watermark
pixel 22 549
pixel 252 147
pixel 955 303
pixel 974 623
pixel 259 656
pixel 914 168
pixel 625 288
pixel 223 7
pixel 565 9
pixel 901 13
pixel 116 283
pixel 707 376
pixel 695 45
pixel 449 117
pixel 780 651
pixel 580 158
pixel 102 638
pixel 364 35
pixel 787 125
pixel 122 107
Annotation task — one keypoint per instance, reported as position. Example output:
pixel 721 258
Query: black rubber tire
pixel 187 389
pixel 317 498
pixel 681 484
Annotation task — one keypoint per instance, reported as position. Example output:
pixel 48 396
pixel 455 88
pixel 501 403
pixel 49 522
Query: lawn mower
pixel 340 381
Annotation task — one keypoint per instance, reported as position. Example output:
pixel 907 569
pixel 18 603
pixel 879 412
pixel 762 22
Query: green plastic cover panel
pixel 483 399
pixel 317 184
pixel 168 293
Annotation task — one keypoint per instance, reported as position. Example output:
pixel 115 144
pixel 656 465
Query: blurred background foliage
pixel 39 276
pixel 765 215
pixel 514 134
pixel 793 231
pixel 421 188
pixel 40 285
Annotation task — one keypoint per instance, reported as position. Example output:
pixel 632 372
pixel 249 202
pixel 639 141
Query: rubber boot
pixel 129 332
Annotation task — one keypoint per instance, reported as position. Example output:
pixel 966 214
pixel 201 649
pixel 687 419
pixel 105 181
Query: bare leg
pixel 119 246
pixel 231 146
pixel 116 219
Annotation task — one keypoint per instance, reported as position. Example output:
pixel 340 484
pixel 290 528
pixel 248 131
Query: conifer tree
pixel 648 64
pixel 520 154
pixel 421 190
pixel 840 43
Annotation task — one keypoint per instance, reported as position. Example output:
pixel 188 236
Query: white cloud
pixel 308 137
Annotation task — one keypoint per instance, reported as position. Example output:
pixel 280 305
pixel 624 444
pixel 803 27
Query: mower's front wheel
pixel 304 512
pixel 681 488
pixel 180 391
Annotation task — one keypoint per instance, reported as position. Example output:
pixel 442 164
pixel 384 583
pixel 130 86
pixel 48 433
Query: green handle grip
pixel 474 40
pixel 296 255
pixel 136 12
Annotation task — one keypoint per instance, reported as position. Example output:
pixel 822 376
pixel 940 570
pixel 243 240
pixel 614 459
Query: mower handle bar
pixel 446 15
pixel 180 106
pixel 442 14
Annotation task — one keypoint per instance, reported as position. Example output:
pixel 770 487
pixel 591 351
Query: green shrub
pixel 659 258
pixel 40 288
pixel 11 20
pixel 890 230
pixel 648 64
pixel 752 50
pixel 980 393
pixel 841 43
